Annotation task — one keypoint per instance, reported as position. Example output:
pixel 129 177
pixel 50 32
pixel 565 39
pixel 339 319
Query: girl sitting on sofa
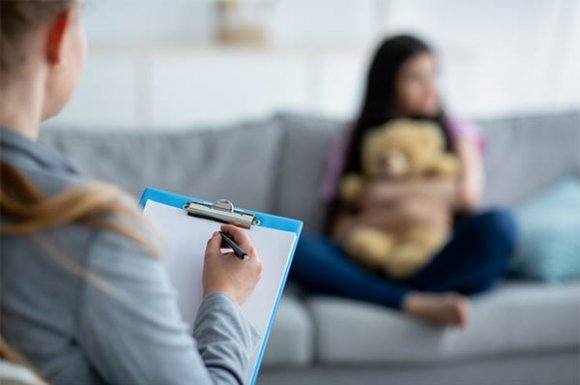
pixel 402 83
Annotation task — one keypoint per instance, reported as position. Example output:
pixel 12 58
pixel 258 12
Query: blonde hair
pixel 34 211
pixel 29 209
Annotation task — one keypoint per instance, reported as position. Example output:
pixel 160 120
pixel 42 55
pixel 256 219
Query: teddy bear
pixel 402 149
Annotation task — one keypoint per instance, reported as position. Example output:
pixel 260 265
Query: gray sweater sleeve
pixel 130 328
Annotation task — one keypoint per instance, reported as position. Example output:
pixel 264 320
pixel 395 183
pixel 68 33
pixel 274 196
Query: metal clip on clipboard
pixel 222 211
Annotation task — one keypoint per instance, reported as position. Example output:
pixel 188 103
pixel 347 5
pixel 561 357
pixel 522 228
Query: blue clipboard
pixel 265 220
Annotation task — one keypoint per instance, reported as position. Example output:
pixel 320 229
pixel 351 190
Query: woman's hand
pixel 227 273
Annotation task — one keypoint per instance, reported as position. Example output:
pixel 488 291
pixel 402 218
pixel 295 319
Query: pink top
pixel 459 129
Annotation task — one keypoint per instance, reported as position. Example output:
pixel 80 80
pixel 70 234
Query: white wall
pixel 501 56
pixel 154 62
pixel 141 23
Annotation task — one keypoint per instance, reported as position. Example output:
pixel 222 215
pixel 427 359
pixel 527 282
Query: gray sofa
pixel 521 333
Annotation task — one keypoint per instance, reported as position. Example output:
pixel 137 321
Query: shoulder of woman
pixel 118 222
pixel 124 252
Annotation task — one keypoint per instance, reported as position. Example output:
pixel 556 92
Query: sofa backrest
pixel 302 167
pixel 278 165
pixel 524 154
pixel 237 163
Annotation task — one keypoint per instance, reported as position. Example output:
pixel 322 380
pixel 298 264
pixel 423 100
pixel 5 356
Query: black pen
pixel 238 251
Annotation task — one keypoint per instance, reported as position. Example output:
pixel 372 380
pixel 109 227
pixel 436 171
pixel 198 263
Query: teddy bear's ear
pixel 351 188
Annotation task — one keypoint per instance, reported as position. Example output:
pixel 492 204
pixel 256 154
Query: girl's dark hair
pixel 379 102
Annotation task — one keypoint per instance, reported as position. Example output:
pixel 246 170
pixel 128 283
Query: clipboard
pixel 275 239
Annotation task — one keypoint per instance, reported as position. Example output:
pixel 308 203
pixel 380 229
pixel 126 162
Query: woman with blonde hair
pixel 84 296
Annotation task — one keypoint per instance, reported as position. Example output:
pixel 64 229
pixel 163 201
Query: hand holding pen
pixel 237 249
pixel 227 272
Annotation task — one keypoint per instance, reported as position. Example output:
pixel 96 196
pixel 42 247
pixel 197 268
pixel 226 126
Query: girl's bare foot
pixel 442 309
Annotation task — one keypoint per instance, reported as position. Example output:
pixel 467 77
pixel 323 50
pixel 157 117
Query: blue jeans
pixel 474 259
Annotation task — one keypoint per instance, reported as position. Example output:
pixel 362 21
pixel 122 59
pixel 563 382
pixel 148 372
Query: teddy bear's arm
pixel 447 165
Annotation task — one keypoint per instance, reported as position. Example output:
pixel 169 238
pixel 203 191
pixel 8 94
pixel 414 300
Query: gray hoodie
pixel 89 306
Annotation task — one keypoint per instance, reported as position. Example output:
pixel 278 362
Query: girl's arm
pixel 391 219
pixel 381 192
pixel 464 194
pixel 471 182
pixel 346 221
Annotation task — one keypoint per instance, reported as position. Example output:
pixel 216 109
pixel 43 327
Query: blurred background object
pixel 164 63
pixel 244 23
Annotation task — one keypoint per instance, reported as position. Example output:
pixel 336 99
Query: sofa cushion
pixel 527 153
pixel 549 241
pixel 303 167
pixel 291 341
pixel 237 162
pixel 515 318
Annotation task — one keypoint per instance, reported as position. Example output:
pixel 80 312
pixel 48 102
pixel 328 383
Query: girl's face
pixel 416 87
pixel 64 76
